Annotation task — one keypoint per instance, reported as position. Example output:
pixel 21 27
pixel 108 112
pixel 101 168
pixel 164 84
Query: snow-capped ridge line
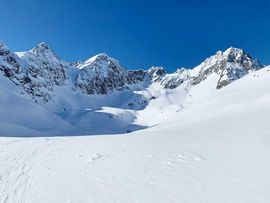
pixel 104 97
pixel 43 71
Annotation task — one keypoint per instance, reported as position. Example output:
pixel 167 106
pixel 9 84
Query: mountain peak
pixel 101 60
pixel 44 51
pixel 3 47
pixel 43 44
pixel 235 52
pixel 2 43
pixel 236 55
pixel 100 56
pixel 42 48
pixel 233 49
pixel 230 55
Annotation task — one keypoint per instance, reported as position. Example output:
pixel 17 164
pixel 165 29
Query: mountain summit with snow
pixel 65 90
pixel 102 74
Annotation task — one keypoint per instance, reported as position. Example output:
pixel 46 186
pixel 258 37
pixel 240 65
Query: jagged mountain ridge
pixel 39 71
pixel 230 65
pixel 99 95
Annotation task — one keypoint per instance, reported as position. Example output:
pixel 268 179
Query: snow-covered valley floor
pixel 216 149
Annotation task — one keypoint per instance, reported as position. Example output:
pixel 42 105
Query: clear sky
pixel 139 33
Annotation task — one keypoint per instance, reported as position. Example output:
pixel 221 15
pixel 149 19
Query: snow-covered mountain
pixel 76 92
pixel 228 66
pixel 215 148
pixel 197 135
pixel 102 75
pixel 40 70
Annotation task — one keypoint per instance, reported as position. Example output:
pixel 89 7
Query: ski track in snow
pixel 133 168
pixel 16 169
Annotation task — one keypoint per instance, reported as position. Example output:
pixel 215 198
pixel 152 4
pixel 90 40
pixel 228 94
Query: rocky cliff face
pixel 12 66
pixel 44 71
pixel 39 71
pixel 171 81
pixel 44 63
pixel 238 64
pixel 102 75
pixel 229 66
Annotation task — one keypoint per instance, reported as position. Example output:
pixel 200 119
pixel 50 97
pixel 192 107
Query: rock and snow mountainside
pixel 39 70
pixel 197 135
pixel 102 75
pixel 215 149
pixel 78 92
pixel 229 66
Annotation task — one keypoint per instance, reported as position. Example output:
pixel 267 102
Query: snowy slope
pixel 19 116
pixel 216 148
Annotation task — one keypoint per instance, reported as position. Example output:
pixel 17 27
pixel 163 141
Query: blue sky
pixel 138 33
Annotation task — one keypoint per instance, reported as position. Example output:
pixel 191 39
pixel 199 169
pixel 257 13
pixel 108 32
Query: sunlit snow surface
pixel 202 146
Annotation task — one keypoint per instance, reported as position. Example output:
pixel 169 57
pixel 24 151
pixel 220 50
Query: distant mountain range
pixel 40 70
pixel 58 88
